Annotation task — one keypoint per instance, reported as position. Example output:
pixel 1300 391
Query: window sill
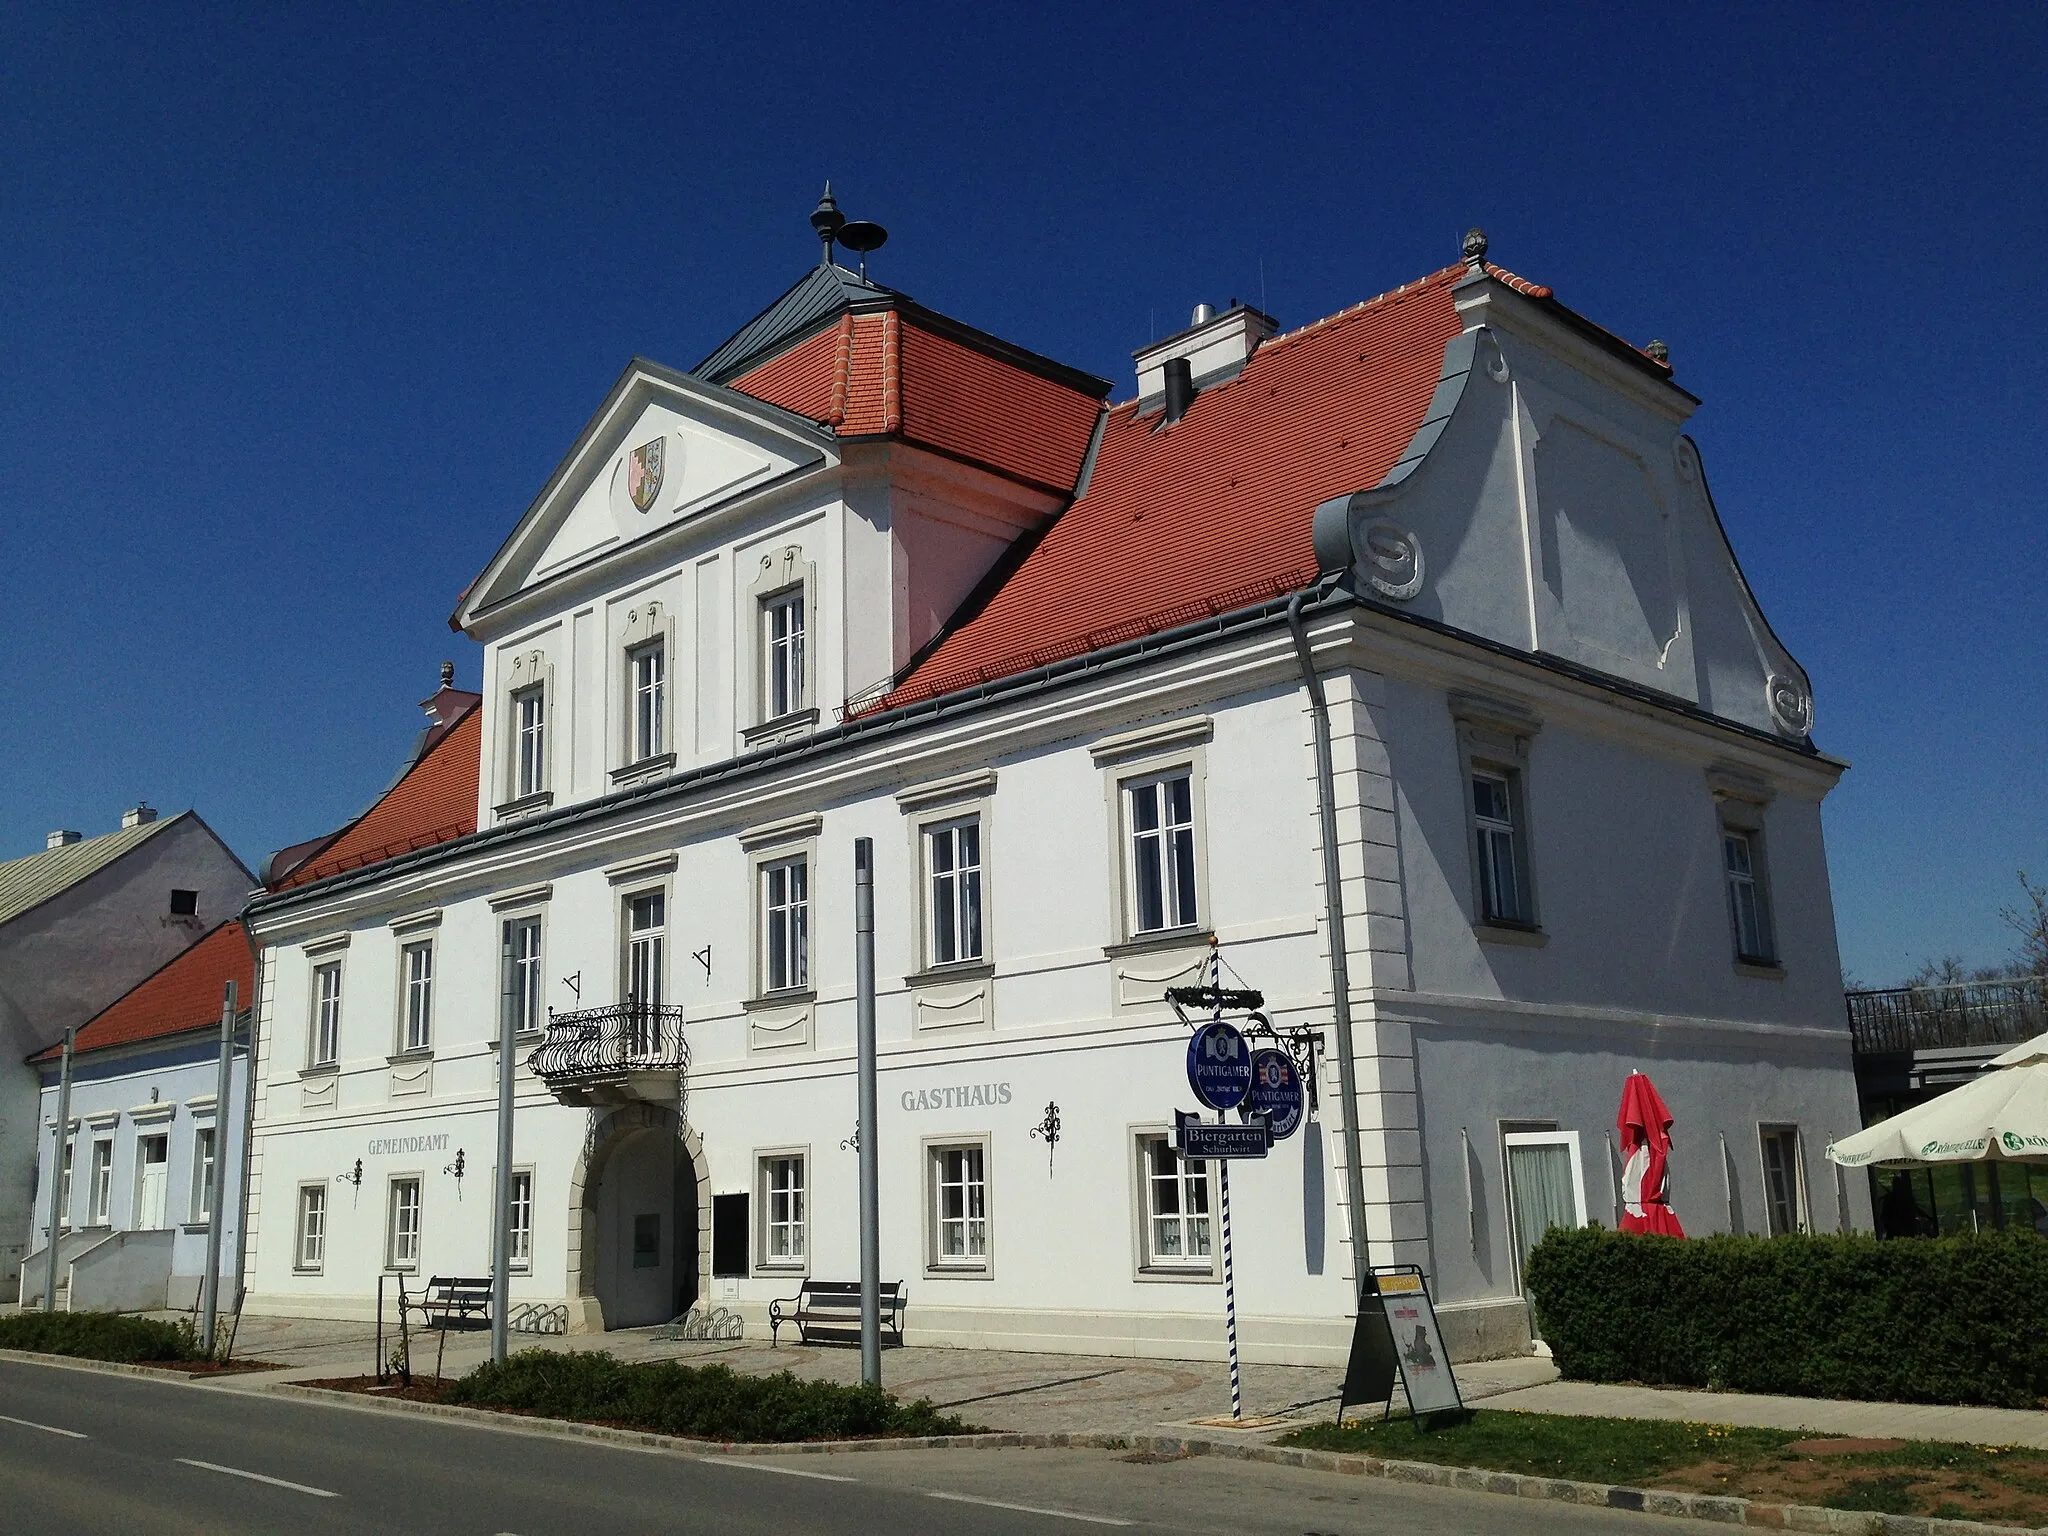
pixel 519 807
pixel 1763 970
pixel 1166 938
pixel 770 731
pixel 1167 1274
pixel 646 768
pixel 417 1053
pixel 793 997
pixel 957 1272
pixel 524 1037
pixel 302 1269
pixel 1527 935
pixel 782 1271
pixel 321 1069
pixel 197 1226
pixel 961 970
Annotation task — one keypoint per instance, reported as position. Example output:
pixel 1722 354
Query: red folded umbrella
pixel 1645 1126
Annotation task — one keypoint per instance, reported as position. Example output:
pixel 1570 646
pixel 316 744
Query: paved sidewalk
pixel 1896 1421
pixel 1034 1393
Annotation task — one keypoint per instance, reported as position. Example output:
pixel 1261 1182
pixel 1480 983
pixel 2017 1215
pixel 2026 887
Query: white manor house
pixel 868 572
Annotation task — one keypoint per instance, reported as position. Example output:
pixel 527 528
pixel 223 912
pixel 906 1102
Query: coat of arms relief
pixel 643 472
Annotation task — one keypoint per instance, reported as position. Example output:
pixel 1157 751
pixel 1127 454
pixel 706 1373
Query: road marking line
pixel 258 1477
pixel 756 1466
pixel 48 1429
pixel 1026 1509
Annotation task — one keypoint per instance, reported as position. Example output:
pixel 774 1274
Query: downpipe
pixel 1333 901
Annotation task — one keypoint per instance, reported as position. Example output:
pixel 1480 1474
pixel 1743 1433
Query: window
pixel 952 854
pixel 782 673
pixel 1546 1187
pixel 1178 1231
pixel 522 1218
pixel 1503 892
pixel 522 973
pixel 646 924
pixel 184 903
pixel 152 1181
pixel 64 1188
pixel 785 925
pixel 782 1211
pixel 326 1014
pixel 959 1231
pixel 1159 817
pixel 419 996
pixel 402 1234
pixel 529 757
pixel 1784 1179
pixel 1748 907
pixel 312 1226
pixel 648 668
pixel 100 1192
pixel 202 1174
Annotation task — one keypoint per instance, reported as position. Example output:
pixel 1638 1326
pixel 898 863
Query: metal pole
pixel 1340 967
pixel 1229 1290
pixel 870 1164
pixel 217 1195
pixel 249 1052
pixel 501 1244
pixel 57 1190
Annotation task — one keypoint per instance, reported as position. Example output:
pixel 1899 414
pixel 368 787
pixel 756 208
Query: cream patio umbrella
pixel 2001 1115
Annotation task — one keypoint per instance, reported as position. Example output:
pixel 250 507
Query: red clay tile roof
pixel 184 995
pixel 434 802
pixel 1213 513
pixel 881 373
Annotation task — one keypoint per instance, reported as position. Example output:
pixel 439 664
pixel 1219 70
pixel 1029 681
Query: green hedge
pixel 1917 1320
pixel 711 1402
pixel 99 1336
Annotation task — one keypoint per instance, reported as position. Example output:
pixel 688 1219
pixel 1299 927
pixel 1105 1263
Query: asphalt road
pixel 87 1452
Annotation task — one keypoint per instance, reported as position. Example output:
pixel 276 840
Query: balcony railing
pixel 1950 1016
pixel 595 1045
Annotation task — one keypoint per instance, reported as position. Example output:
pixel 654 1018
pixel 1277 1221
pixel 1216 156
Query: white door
pixel 636 1236
pixel 1545 1189
pixel 152 1181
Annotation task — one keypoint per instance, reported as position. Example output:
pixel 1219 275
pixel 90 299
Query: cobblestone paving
pixel 998 1389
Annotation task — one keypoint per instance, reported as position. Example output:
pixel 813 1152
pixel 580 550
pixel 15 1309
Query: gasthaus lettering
pixel 958 1096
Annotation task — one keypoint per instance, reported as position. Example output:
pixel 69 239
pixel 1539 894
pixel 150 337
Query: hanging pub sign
pixel 1219 1065
pixel 1275 1092
pixel 1194 1137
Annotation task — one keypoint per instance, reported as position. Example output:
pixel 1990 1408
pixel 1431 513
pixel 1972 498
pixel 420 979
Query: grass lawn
pixel 2004 1485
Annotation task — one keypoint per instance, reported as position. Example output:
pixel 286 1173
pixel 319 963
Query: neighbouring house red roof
pixel 185 994
pixel 889 374
pixel 1213 513
pixel 434 801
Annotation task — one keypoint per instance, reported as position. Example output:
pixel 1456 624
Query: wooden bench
pixel 833 1307
pixel 456 1303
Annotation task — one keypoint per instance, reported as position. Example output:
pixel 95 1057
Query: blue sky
pixel 299 306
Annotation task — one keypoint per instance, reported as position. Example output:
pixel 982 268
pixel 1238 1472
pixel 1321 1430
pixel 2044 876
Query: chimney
pixel 1180 388
pixel 62 839
pixel 1216 348
pixel 141 816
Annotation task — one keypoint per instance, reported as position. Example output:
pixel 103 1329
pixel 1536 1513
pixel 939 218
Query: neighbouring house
pixel 134 1184
pixel 80 924
pixel 868 572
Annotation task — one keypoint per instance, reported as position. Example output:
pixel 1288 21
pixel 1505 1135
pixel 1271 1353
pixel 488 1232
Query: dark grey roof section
pixel 819 294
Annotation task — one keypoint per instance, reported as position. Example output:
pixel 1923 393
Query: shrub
pixel 712 1402
pixel 99 1336
pixel 1923 1320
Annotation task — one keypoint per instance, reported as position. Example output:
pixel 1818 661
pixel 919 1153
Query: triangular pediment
pixel 665 449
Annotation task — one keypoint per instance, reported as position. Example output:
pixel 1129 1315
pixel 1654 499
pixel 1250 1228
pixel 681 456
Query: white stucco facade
pixel 1584 637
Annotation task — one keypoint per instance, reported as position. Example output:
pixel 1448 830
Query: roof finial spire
pixel 1475 248
pixel 447 674
pixel 827 220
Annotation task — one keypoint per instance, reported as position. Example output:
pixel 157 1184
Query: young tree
pixel 2028 918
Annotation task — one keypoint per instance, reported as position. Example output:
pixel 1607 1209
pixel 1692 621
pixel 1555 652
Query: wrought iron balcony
pixel 1982 1014
pixel 630 1050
